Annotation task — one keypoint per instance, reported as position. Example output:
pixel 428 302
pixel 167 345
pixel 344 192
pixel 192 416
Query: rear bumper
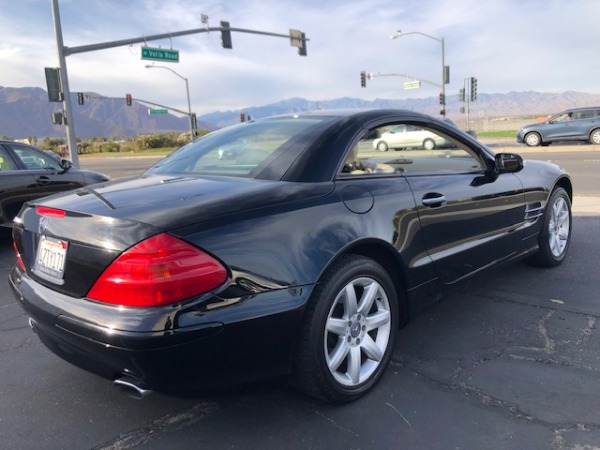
pixel 168 348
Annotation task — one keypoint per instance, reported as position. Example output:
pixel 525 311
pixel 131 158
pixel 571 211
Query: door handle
pixel 43 179
pixel 434 200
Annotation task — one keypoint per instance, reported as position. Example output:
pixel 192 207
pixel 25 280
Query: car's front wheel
pixel 348 333
pixel 555 236
pixel 532 139
pixel 595 136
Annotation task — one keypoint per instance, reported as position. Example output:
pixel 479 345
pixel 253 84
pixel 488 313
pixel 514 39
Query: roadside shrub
pixel 110 147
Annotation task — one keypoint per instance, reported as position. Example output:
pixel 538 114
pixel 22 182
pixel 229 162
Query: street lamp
pixel 445 71
pixel 187 90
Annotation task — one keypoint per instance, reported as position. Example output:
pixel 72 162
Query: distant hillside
pixel 26 112
pixel 513 104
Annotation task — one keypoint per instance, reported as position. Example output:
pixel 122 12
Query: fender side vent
pixel 533 212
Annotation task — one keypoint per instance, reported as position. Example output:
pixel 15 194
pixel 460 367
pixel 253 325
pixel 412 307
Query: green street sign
pixel 412 84
pixel 157 111
pixel 160 54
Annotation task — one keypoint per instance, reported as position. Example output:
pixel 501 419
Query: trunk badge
pixel 43 224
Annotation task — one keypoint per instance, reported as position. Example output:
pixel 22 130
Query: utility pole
pixel 64 80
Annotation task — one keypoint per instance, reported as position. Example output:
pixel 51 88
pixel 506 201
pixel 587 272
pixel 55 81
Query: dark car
pixel 28 173
pixel 299 255
pixel 581 124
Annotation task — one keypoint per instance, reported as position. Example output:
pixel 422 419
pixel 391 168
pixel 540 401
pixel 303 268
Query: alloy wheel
pixel 559 227
pixel 357 332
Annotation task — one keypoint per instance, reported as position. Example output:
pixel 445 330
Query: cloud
pixel 509 45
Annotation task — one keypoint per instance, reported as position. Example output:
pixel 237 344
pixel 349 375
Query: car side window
pixel 418 150
pixel 32 159
pixel 6 162
pixel 581 115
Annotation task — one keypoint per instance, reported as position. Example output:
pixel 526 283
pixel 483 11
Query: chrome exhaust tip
pixel 132 387
pixel 32 325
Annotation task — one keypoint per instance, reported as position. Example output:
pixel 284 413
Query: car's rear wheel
pixel 348 333
pixel 533 139
pixel 382 146
pixel 555 237
pixel 595 136
pixel 429 144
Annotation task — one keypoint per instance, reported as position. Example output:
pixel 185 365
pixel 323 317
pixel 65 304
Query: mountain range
pixel 26 111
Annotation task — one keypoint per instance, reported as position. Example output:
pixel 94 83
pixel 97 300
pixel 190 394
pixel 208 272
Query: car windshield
pixel 241 150
pixel 561 117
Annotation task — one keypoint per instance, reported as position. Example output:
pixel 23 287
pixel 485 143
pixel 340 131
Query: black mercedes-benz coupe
pixel 286 246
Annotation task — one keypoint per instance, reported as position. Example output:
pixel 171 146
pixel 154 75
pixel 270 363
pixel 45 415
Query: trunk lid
pixel 101 221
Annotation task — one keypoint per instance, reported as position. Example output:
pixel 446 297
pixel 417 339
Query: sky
pixel 508 45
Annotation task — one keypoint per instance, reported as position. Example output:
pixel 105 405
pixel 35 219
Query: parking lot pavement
pixel 509 360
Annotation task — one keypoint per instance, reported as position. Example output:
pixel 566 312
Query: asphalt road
pixel 507 361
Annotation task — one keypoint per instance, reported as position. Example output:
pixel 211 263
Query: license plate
pixel 51 257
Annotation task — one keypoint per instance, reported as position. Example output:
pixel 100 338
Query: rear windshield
pixel 242 150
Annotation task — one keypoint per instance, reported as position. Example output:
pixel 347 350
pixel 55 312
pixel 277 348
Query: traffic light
pixel 226 35
pixel 442 98
pixel 194 121
pixel 473 89
pixel 80 98
pixel 298 39
pixel 302 48
pixel 128 99
pixel 242 117
pixel 57 118
pixel 461 95
pixel 363 79
pixel 55 93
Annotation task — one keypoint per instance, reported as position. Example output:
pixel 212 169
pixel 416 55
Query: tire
pixel 429 144
pixel 555 237
pixel 532 139
pixel 348 332
pixel 595 136
pixel 382 146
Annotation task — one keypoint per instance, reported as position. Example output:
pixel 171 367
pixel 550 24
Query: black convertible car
pixel 285 246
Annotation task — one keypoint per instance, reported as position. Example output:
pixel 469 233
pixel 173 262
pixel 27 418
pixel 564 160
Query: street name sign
pixel 412 84
pixel 157 111
pixel 160 54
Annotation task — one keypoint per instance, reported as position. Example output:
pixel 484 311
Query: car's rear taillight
pixel 20 262
pixel 158 271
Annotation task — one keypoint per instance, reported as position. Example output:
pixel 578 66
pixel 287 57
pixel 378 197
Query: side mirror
pixel 66 164
pixel 508 162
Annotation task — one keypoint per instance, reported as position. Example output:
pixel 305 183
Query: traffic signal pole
pixel 64 80
pixel 445 69
pixel 296 37
pixel 373 75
